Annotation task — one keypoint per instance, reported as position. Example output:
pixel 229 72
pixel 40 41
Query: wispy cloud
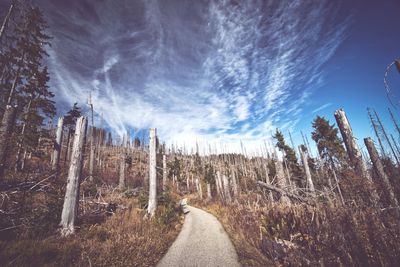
pixel 211 72
pixel 322 107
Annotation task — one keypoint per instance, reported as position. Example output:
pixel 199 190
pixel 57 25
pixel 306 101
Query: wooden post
pixel 378 166
pixel 57 144
pixel 71 200
pixel 304 159
pixel 6 127
pixel 152 173
pixel 164 172
pixel 351 145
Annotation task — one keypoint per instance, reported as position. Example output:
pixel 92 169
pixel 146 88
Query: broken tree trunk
pixel 199 189
pixel 57 144
pixel 235 184
pixel 227 192
pixel 280 175
pixel 152 173
pixel 6 127
pixel 353 151
pixel 71 200
pixel 92 152
pixel 164 172
pixel 378 166
pixel 122 165
pixel 209 191
pixel 304 159
pixel 282 192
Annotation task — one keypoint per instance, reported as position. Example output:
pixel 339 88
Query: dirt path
pixel 202 242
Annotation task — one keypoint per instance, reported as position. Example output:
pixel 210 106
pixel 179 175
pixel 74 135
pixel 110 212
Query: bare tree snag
pixel 280 176
pixel 378 166
pixel 71 200
pixel 220 189
pixel 209 191
pixel 235 184
pixel 92 152
pixel 199 189
pixel 152 173
pixel 351 145
pixel 164 172
pixel 57 144
pixel 6 127
pixel 304 159
pixel 227 192
pixel 6 19
pixel 122 165
pixel 282 192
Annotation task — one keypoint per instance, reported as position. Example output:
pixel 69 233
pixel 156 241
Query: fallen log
pixel 283 192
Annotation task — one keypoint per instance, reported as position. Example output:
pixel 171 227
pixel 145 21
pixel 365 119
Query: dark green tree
pixel 330 146
pixel 290 156
pixel 70 119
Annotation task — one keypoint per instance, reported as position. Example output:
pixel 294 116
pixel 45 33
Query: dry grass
pixel 301 235
pixel 125 238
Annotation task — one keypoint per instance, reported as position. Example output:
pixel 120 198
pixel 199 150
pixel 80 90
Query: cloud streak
pixel 205 71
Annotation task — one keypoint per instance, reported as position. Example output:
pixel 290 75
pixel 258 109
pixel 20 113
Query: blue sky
pixel 221 72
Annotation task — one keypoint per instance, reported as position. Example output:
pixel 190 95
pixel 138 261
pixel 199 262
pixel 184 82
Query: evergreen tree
pixel 70 119
pixel 330 146
pixel 290 156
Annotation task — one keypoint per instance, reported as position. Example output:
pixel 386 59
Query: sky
pixel 223 72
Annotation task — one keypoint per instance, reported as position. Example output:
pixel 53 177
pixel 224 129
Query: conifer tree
pixel 290 156
pixel 330 146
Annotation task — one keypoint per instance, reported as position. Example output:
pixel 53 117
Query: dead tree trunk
pixel 6 19
pixel 378 167
pixel 57 144
pixel 71 200
pixel 280 176
pixel 304 159
pixel 92 152
pixel 235 184
pixel 164 172
pixel 387 138
pixel 199 189
pixel 152 173
pixel 209 191
pixel 121 184
pixel 6 127
pixel 227 192
pixel 351 145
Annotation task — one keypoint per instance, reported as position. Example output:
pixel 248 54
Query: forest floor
pixel 202 242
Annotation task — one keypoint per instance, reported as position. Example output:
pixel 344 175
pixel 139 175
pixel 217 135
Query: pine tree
pixel 72 115
pixel 330 146
pixel 290 156
pixel 32 96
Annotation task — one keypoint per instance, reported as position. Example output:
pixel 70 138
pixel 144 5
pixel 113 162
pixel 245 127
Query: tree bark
pixel 121 184
pixel 350 143
pixel 227 192
pixel 304 159
pixel 152 173
pixel 57 144
pixel 6 19
pixel 164 172
pixel 6 127
pixel 378 166
pixel 71 200
pixel 280 175
pixel 209 191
